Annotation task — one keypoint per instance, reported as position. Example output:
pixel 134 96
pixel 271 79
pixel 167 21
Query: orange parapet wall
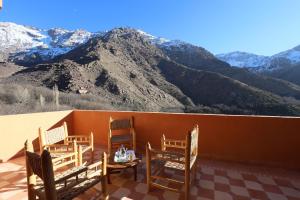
pixel 273 141
pixel 15 129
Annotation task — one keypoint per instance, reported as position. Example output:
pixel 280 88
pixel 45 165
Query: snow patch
pixel 16 38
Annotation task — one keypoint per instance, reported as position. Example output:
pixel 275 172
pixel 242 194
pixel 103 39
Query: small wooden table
pixel 115 167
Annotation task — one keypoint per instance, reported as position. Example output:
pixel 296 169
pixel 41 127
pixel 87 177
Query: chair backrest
pixel 194 141
pixel 191 151
pixel 189 145
pixel 42 167
pixel 172 144
pixel 33 161
pixel 119 127
pixel 52 136
pixel 118 124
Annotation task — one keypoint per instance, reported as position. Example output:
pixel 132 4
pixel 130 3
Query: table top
pixel 121 165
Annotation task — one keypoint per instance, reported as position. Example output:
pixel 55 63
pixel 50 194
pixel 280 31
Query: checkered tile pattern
pixel 214 180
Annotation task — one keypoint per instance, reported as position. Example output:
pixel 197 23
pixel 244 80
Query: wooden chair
pixel 121 132
pixel 49 139
pixel 182 156
pixel 42 183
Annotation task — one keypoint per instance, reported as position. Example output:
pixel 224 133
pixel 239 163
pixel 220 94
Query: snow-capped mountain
pixel 292 54
pixel 24 40
pixel 243 59
pixel 15 38
pixel 153 39
pixel 26 44
pixel 260 63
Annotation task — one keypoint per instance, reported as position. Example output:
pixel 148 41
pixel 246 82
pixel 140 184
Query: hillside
pixel 288 73
pixel 198 58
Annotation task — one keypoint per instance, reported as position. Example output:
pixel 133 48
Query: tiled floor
pixel 214 180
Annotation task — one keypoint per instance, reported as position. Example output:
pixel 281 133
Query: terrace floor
pixel 214 180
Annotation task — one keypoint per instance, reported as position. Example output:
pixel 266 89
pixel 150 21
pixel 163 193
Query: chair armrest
pixel 171 143
pixel 80 139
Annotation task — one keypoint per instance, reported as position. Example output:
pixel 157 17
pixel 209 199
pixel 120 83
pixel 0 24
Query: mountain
pixel 243 59
pixel 117 66
pixel 27 45
pixel 288 73
pixel 132 68
pixel 259 63
pixel 128 68
pixel 7 69
pixel 198 58
pixel 283 65
pixel 293 55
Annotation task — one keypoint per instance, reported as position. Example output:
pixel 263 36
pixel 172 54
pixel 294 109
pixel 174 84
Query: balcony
pixel 241 157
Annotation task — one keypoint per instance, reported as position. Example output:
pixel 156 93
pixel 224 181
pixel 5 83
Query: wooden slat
pixel 62 157
pixel 157 169
pixel 95 173
pixel 164 187
pixel 167 179
pixel 97 164
pixel 63 164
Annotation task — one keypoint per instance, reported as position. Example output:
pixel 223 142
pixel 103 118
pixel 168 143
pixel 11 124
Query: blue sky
pixel 259 26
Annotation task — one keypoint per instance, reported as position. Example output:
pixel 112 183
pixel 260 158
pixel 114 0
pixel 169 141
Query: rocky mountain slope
pixel 126 67
pixel 117 66
pixel 288 73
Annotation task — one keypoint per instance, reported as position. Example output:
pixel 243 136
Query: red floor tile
pixel 215 179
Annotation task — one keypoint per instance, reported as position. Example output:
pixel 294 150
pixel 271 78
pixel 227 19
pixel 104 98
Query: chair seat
pixel 174 165
pixel 78 189
pixel 70 192
pixel 121 138
pixel 80 184
pixel 180 166
pixel 59 154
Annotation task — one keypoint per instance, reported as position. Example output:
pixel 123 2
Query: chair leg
pixel 31 195
pixel 104 188
pixel 187 186
pixel 93 156
pixel 148 168
pixel 195 172
pixel 187 191
pixel 79 155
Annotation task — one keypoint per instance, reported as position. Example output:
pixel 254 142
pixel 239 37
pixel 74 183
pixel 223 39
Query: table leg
pixel 135 172
pixel 108 176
